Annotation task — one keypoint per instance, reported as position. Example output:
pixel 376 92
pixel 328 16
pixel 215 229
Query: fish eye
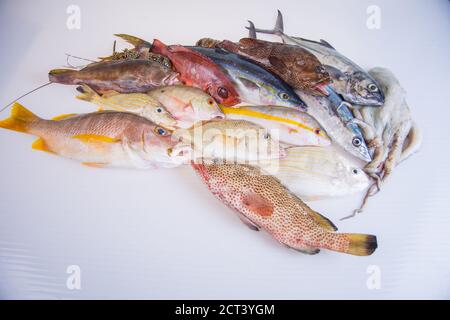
pixel 355 171
pixel 266 136
pixel 210 102
pixel 317 131
pixel 284 96
pixel 159 110
pixel 372 87
pixel 357 141
pixel 161 131
pixel 222 92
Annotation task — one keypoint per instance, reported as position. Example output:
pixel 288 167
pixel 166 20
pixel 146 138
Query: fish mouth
pixel 177 152
pixel 364 154
pixel 219 115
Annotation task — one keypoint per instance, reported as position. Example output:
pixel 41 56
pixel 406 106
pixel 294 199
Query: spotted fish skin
pixel 296 66
pixel 265 203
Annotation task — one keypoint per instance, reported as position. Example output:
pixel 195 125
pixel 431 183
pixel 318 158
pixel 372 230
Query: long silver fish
pixel 350 80
pixel 326 112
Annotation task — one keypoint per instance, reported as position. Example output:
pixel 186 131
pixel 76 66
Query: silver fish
pixel 326 112
pixel 350 80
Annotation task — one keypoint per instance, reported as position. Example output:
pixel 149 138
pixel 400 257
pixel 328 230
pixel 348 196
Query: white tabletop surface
pixel 161 234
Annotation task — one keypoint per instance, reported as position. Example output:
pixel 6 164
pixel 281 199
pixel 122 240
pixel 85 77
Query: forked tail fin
pixel 20 119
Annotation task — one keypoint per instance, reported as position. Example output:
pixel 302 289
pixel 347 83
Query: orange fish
pixel 99 139
pixel 264 203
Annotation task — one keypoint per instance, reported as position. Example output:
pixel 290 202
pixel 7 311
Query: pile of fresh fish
pixel 267 125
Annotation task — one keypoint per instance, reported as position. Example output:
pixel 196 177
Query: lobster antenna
pixel 24 95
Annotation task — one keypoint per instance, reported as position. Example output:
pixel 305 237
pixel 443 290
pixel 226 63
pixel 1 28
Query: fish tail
pixel 64 76
pixel 21 119
pixel 353 243
pixel 135 41
pixel 278 29
pixel 87 93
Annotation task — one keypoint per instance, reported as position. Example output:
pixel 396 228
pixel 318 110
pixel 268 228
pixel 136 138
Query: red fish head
pixel 224 93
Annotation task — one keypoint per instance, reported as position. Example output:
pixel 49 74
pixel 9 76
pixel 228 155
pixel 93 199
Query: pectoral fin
pixel 248 84
pixel 257 204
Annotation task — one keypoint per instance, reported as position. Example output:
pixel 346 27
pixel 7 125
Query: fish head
pixel 232 140
pixel 319 137
pixel 359 148
pixel 224 93
pixel 257 143
pixel 313 72
pixel 159 115
pixel 157 146
pixel 290 99
pixel 355 178
pixel 206 108
pixel 362 89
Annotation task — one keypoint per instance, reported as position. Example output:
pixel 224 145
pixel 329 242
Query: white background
pixel 161 234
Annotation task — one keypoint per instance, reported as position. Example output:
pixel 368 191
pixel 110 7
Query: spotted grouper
pixel 264 203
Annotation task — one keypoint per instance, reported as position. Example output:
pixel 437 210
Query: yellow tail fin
pixel 361 244
pixel 20 119
pixel 87 93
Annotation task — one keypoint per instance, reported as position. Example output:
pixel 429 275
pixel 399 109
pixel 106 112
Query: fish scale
pixel 264 203
pixel 108 138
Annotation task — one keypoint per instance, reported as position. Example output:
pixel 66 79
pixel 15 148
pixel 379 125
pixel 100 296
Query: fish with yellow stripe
pixel 139 103
pixel 99 139
pixel 293 127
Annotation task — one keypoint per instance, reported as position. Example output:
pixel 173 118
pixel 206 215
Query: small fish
pixel 124 76
pixel 296 66
pixel 255 85
pixel 323 110
pixel 138 103
pixel 99 139
pixel 199 71
pixel 187 105
pixel 293 127
pixel 262 202
pixel 349 79
pixel 314 173
pixel 232 140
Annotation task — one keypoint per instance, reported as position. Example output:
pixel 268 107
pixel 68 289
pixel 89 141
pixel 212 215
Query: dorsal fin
pixel 326 44
pixel 323 221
